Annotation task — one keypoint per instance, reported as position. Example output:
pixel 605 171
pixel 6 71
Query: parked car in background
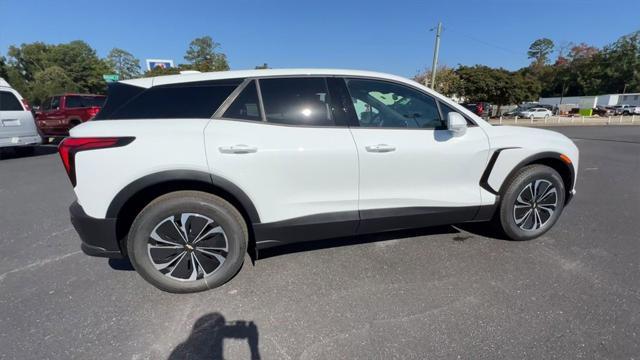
pixel 186 173
pixel 603 111
pixel 17 127
pixel 482 109
pixel 625 109
pixel 536 113
pixel 60 113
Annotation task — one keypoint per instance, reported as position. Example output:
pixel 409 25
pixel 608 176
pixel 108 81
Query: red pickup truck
pixel 60 113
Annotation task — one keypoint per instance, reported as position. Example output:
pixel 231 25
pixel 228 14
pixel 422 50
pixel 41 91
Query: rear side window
pixel 296 101
pixel 246 106
pixel 183 100
pixel 76 101
pixel 9 102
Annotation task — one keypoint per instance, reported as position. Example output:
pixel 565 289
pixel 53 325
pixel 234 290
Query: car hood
pixel 532 140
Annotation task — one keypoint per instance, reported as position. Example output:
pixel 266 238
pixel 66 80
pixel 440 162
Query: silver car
pixel 17 126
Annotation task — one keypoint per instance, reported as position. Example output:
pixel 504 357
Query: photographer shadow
pixel 206 340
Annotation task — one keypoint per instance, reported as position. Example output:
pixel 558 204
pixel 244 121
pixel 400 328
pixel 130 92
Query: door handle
pixel 380 148
pixel 238 149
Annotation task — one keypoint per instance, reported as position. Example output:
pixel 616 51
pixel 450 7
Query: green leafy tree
pixel 447 80
pixel 4 68
pixel 497 86
pixel 124 64
pixel 160 71
pixel 53 80
pixel 263 66
pixel 202 55
pixel 78 61
pixel 540 50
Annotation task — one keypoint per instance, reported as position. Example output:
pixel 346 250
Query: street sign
pixel 111 77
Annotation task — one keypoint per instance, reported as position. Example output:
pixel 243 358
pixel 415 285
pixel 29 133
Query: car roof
pixel 234 74
pixel 4 83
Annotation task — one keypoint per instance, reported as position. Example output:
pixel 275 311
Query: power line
pixel 485 42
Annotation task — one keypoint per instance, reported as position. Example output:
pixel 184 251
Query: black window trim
pixel 225 105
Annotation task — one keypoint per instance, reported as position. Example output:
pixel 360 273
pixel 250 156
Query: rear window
pixel 76 101
pixel 9 102
pixel 183 100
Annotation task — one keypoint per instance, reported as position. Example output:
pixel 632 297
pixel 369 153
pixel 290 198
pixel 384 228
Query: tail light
pixel 69 147
pixel 92 112
pixel 26 104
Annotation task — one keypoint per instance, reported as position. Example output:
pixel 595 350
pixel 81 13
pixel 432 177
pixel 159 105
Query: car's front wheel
pixel 532 202
pixel 188 241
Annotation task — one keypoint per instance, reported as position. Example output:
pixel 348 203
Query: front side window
pixel 296 101
pixel 389 105
pixel 246 106
pixel 46 105
pixel 9 102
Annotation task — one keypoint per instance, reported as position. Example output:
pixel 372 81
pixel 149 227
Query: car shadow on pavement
pixel 6 154
pixel 206 340
pixel 353 240
pixel 480 229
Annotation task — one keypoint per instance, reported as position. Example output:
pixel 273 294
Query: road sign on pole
pixel 111 77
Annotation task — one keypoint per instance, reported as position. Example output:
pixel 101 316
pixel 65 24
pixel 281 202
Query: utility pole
pixel 435 56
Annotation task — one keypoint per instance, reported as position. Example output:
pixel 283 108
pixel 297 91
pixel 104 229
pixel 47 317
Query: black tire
pixel 182 203
pixel 24 150
pixel 518 191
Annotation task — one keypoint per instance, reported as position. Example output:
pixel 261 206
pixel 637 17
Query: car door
pixel 15 120
pixel 290 156
pixel 413 171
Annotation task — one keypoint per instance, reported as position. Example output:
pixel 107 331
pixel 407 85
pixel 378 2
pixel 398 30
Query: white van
pixel 17 127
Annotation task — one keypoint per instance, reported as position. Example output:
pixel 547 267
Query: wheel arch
pixel 129 201
pixel 550 159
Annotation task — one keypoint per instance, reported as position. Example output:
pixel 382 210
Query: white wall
pixel 554 101
pixel 629 99
pixel 603 100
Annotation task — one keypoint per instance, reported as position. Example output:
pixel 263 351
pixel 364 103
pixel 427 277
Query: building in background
pixel 593 101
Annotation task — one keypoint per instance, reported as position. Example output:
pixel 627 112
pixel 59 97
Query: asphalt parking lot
pixel 446 292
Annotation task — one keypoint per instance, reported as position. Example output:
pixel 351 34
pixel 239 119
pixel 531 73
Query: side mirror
pixel 456 123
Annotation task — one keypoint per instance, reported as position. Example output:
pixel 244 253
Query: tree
pixel 3 67
pixel 447 80
pixel 202 55
pixel 124 64
pixel 540 50
pixel 497 86
pixel 52 80
pixel 263 66
pixel 78 61
pixel 160 71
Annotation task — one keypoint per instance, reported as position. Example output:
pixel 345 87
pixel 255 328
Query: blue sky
pixel 389 36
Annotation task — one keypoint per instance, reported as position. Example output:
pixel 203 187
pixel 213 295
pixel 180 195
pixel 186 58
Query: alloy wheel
pixel 187 246
pixel 535 205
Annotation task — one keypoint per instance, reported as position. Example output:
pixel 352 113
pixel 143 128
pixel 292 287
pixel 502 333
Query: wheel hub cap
pixel 187 246
pixel 535 205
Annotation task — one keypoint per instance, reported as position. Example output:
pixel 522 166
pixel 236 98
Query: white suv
pixel 17 127
pixel 185 174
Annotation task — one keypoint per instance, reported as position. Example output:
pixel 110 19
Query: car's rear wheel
pixel 188 241
pixel 532 202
